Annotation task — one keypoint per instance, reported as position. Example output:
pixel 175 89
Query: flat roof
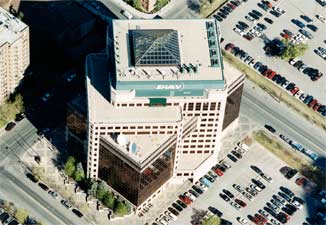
pixel 231 73
pixel 10 27
pixel 100 109
pixel 168 55
pixel 146 145
pixel 191 161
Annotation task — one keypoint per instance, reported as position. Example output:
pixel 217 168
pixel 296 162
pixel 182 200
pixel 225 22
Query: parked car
pixel 232 158
pixel 312 27
pixel 224 197
pixel 240 202
pixel 228 193
pixel 268 20
pixel 236 154
pixel 177 207
pixel 258 183
pixel 306 18
pixel 10 125
pixel 306 33
pixel 66 203
pixel 173 211
pixel 298 23
pixel 77 213
pixel 215 211
pixel 43 186
pixel 53 194
pixel 270 128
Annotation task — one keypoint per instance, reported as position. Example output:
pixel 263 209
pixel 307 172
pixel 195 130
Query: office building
pixel 158 102
pixel 14 52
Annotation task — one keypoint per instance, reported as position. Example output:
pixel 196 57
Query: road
pixel 264 109
pixel 14 185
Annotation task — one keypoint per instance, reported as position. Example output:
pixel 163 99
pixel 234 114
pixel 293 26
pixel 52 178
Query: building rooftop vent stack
pixel 132 148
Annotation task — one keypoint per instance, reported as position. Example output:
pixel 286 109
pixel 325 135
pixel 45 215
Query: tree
pixel 79 174
pixel 91 186
pixel 212 220
pixel 120 208
pixel 39 223
pixel 293 51
pixel 70 166
pixel 109 200
pixel 101 190
pixel 137 5
pixel 21 215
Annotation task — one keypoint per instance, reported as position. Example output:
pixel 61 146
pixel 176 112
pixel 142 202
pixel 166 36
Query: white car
pixel 298 94
pixel 191 196
pixel 171 215
pixel 278 9
pixel 275 222
pixel 235 205
pixel 321 18
pixel 201 186
pixel 255 187
pixel 297 204
pixel 163 222
pixel 226 165
pixel 286 83
pixel 303 97
pixel 293 61
pixel 243 221
pixel 249 18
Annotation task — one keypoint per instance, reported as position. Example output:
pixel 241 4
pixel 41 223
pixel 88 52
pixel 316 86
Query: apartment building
pixel 148 5
pixel 158 102
pixel 14 52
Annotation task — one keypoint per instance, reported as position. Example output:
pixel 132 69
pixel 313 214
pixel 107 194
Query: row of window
pixel 197 152
pixel 142 104
pixel 137 127
pixel 184 174
pixel 197 146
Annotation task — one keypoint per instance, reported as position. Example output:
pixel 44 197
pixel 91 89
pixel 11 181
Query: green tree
pixel 120 208
pixel 101 191
pixel 293 51
pixel 79 174
pixel 39 223
pixel 212 220
pixel 137 5
pixel 109 200
pixel 21 215
pixel 91 186
pixel 70 166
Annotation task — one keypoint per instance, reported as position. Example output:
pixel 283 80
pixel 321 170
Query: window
pixel 185 152
pixel 190 106
pixel 212 106
pixel 179 174
pixel 199 152
pixel 186 174
pixel 192 152
pixel 139 104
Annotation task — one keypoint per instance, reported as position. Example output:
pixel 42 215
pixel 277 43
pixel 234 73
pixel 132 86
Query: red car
pixel 301 181
pixel 316 107
pixel 271 75
pixel 218 172
pixel 248 37
pixel 294 90
pixel 312 103
pixel 231 5
pixel 268 71
pixel 229 46
pixel 240 202
pixel 185 199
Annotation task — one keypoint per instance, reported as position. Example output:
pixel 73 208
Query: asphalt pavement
pixel 15 186
pixel 265 109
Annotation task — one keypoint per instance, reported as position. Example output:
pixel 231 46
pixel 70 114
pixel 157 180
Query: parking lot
pixel 241 174
pixel 293 9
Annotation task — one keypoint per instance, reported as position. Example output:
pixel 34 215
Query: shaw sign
pixel 169 86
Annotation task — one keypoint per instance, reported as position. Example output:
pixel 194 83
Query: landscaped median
pixel 10 108
pixel 276 91
pixel 291 157
pixel 208 7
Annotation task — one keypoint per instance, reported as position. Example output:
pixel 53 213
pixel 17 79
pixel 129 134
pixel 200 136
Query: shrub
pixel 70 166
pixel 21 215
pixel 120 208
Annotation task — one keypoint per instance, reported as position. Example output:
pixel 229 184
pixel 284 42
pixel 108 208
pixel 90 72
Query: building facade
pixel 157 102
pixel 14 52
pixel 148 5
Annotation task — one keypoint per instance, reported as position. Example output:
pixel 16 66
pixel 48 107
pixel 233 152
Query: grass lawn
pixel 210 8
pixel 293 158
pixel 276 91
pixel 8 110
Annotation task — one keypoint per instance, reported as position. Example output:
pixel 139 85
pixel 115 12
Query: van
pixel 126 14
